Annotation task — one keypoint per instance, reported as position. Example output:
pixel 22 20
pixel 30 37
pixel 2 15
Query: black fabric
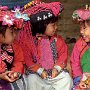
pixel 9 65
pixel 34 17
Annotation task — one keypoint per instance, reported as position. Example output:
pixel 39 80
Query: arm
pixel 18 58
pixel 62 51
pixel 75 62
pixel 2 66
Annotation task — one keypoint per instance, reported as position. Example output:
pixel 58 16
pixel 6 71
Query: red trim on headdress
pixel 54 7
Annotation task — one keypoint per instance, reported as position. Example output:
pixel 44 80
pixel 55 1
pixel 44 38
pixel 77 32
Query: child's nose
pixel 56 27
pixel 82 31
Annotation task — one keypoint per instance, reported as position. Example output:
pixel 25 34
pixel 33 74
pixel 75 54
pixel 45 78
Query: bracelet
pixel 58 68
pixel 40 70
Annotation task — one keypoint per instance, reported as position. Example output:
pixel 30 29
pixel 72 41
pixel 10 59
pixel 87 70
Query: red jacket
pixel 18 59
pixel 61 48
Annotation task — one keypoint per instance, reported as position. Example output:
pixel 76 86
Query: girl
pixel 11 55
pixel 80 61
pixel 45 52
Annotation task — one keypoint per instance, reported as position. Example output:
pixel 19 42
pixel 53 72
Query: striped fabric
pixel 53 48
pixel 20 84
pixel 17 85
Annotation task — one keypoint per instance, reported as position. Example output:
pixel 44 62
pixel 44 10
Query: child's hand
pixel 88 82
pixel 5 76
pixel 54 73
pixel 44 75
pixel 13 75
pixel 82 85
pixel 86 79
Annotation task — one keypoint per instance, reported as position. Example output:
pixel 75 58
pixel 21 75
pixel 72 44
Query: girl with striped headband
pixel 45 52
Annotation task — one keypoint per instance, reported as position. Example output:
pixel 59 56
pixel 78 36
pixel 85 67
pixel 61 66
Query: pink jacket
pixel 79 48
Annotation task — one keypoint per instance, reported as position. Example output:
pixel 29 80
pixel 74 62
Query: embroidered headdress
pixel 38 11
pixel 82 14
pixel 9 18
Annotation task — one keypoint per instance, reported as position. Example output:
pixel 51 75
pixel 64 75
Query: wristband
pixel 40 70
pixel 58 68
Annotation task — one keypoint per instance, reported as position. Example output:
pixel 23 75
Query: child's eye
pixel 12 32
pixel 84 27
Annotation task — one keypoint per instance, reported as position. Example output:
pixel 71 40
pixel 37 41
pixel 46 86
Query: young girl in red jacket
pixel 11 55
pixel 45 52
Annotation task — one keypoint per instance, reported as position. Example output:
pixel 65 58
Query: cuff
pixel 76 80
pixel 58 68
pixel 40 70
pixel 84 77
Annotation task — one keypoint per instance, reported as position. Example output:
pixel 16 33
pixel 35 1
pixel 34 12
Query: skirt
pixel 4 85
pixel 62 82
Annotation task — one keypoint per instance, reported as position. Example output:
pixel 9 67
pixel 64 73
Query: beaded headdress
pixel 9 18
pixel 82 14
pixel 38 11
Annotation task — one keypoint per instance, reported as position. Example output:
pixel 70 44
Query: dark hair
pixel 40 27
pixel 88 22
pixel 4 27
pixel 85 21
pixel 81 22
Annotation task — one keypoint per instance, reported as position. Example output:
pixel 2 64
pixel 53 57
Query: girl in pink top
pixel 80 57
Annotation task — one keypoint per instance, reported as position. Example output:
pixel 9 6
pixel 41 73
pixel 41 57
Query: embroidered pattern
pixel 54 51
pixel 7 55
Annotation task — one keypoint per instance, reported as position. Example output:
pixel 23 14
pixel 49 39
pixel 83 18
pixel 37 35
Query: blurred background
pixel 66 28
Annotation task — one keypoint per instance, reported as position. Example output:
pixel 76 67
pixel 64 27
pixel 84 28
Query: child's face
pixel 9 36
pixel 85 32
pixel 50 29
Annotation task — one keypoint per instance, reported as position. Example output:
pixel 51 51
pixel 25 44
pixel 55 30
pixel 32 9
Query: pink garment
pixel 27 43
pixel 0 53
pixel 46 59
pixel 3 7
pixel 54 7
pixel 77 52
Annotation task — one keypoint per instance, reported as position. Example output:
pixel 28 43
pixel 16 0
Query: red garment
pixel 62 51
pixel 79 48
pixel 31 52
pixel 18 62
pixel 61 48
